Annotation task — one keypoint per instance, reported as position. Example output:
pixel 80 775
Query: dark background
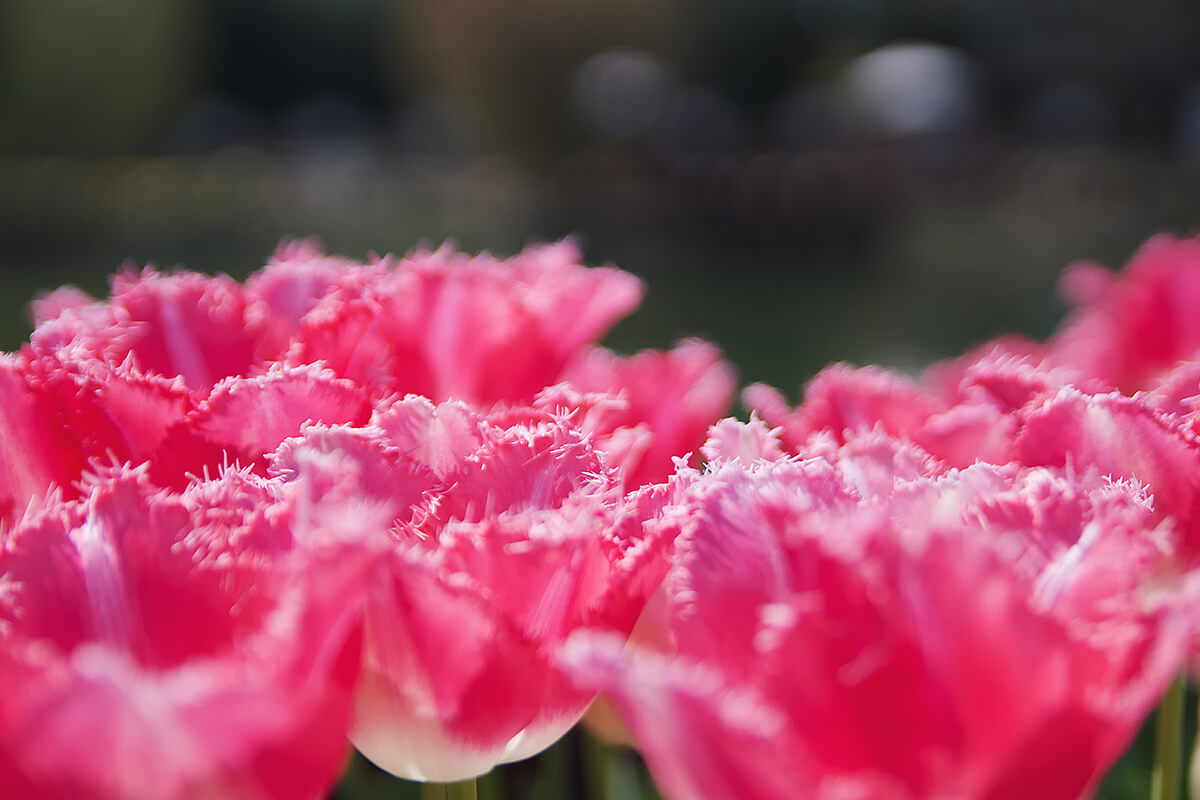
pixel 800 180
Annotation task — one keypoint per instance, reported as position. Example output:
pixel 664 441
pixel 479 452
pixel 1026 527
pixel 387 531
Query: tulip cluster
pixel 241 525
pixel 412 505
pixel 972 584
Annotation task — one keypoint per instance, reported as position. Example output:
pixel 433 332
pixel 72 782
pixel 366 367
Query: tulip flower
pixel 1059 403
pixel 195 372
pixel 673 395
pixel 1124 437
pixel 1130 329
pixel 489 539
pixel 150 648
pixel 1131 332
pixel 843 630
pixel 972 416
pixel 63 413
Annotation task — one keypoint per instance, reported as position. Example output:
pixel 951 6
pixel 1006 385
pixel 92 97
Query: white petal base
pixel 418 748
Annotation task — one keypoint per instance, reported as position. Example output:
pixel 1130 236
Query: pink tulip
pixel 675 395
pixel 59 413
pixel 63 413
pixel 998 407
pixel 843 401
pixel 840 632
pixel 151 648
pixel 441 324
pixel 489 540
pixel 1131 328
pixel 193 372
pixel 1134 331
pixel 445 325
pixel 1126 438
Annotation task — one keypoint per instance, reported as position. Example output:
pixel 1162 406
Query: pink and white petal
pixel 69 318
pixel 446 683
pixel 544 572
pixel 479 330
pixel 526 468
pixel 733 555
pixel 101 726
pixel 967 433
pixel 872 463
pixel 584 303
pixel 769 404
pixel 113 412
pixel 645 532
pixel 1177 391
pixel 52 305
pixel 165 665
pixel 947 379
pixel 375 341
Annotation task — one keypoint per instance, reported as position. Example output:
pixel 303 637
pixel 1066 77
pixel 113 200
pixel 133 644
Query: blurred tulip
pixel 1131 328
pixel 153 649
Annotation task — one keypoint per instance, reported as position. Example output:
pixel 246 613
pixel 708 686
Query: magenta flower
pixel 963 423
pixel 1127 438
pixel 1058 404
pixel 1136 331
pixel 485 541
pixel 842 399
pixel 150 649
pixel 62 412
pixel 195 376
pixel 59 413
pixel 1130 329
pixel 192 372
pixel 445 325
pixel 669 398
pixel 997 407
pixel 846 630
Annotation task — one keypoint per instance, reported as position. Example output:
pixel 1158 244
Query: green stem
pixel 595 767
pixel 459 790
pixel 1168 744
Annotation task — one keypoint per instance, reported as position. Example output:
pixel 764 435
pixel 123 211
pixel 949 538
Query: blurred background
pixel 800 180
